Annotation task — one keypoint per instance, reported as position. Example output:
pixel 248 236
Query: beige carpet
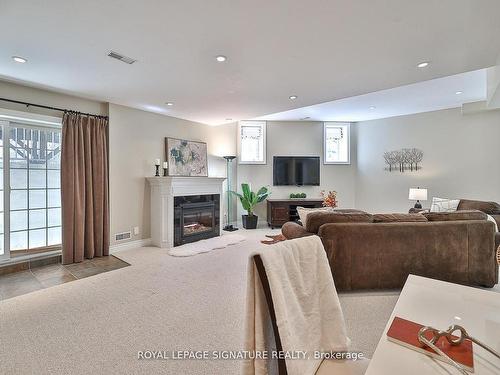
pixel 98 324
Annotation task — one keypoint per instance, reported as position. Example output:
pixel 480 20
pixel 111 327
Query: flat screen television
pixel 296 170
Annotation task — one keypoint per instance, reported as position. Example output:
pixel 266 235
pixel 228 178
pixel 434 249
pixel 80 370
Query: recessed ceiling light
pixel 459 92
pixel 372 107
pixel 170 104
pixel 221 58
pixel 19 59
pixel 293 97
pixel 423 64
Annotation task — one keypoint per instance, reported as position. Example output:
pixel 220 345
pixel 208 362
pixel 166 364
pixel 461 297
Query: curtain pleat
pixel 84 187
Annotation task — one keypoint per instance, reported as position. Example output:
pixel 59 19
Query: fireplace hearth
pixel 196 217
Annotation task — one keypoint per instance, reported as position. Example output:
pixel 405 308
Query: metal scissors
pixel 453 339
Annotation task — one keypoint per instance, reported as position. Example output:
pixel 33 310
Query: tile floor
pixel 26 281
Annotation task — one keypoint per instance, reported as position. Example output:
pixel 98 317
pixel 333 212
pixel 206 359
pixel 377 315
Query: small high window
pixel 252 142
pixel 336 143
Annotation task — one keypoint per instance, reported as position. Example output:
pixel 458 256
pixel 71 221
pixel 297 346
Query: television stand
pixel 279 211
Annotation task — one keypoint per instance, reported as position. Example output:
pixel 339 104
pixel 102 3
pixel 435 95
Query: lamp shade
pixel 418 194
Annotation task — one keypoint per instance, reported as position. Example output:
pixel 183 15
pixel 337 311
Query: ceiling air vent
pixel 119 56
pixel 123 236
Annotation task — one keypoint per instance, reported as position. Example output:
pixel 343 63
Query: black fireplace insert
pixel 196 217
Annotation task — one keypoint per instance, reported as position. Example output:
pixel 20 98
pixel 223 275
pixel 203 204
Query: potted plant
pixel 249 200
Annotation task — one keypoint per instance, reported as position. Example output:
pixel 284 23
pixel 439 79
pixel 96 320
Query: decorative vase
pixel 249 222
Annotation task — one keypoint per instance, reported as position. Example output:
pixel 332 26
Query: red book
pixel 405 332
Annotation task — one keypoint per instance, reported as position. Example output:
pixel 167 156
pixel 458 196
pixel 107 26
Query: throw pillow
pixel 456 215
pixel 317 219
pixel 303 212
pixel 444 205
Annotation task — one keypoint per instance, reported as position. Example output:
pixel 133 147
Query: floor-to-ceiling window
pixel 30 188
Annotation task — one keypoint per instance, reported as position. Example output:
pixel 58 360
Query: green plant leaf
pixel 262 194
pixel 235 193
pixel 245 204
pixel 246 190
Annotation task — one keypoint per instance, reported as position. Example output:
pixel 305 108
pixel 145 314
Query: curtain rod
pixel 51 108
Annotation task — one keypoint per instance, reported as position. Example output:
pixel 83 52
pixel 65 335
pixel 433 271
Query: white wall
pixel 300 138
pixel 461 158
pixel 13 91
pixel 136 138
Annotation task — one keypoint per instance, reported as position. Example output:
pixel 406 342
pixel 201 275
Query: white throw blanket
pixel 490 218
pixel 306 303
pixel 204 246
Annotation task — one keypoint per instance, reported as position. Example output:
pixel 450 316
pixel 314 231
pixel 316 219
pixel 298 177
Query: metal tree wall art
pixel 406 159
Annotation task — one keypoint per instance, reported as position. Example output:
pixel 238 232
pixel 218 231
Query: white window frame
pixel 345 125
pixel 263 125
pixel 33 121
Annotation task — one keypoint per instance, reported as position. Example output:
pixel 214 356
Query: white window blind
pixel 252 142
pixel 336 143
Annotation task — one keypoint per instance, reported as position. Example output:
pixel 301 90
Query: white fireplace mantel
pixel 163 191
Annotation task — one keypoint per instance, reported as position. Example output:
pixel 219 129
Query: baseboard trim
pixel 130 245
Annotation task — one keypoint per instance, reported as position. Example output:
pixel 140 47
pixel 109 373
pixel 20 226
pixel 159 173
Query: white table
pixel 440 304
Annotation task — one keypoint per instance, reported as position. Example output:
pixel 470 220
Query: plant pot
pixel 249 222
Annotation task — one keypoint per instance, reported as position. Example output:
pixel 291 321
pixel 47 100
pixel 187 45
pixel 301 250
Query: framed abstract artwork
pixel 186 158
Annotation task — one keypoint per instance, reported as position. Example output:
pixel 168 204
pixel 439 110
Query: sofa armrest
pixel 293 230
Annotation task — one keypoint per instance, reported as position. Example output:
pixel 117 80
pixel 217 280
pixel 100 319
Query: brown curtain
pixel 84 187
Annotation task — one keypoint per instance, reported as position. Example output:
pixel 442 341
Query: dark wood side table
pixel 279 211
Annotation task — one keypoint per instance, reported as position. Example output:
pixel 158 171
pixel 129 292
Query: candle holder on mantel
pixel 165 169
pixel 157 167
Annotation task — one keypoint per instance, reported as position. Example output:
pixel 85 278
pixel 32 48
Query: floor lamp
pixel 229 161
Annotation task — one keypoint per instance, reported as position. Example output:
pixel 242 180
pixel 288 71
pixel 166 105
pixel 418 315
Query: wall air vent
pixel 119 56
pixel 123 236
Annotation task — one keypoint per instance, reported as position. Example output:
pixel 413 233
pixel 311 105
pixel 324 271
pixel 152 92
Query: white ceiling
pixel 433 95
pixel 320 50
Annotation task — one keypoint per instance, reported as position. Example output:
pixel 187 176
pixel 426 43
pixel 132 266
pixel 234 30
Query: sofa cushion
pixel 317 219
pixel 399 218
pixel 491 208
pixel 456 215
pixel 305 212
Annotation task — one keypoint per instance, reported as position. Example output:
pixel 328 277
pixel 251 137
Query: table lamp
pixel 418 194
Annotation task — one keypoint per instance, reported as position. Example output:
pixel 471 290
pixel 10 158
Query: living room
pixel 173 193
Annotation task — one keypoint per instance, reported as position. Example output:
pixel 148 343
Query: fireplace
pixel 196 217
pixel 169 194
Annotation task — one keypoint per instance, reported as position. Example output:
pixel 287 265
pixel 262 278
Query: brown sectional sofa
pixel 490 208
pixel 380 251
